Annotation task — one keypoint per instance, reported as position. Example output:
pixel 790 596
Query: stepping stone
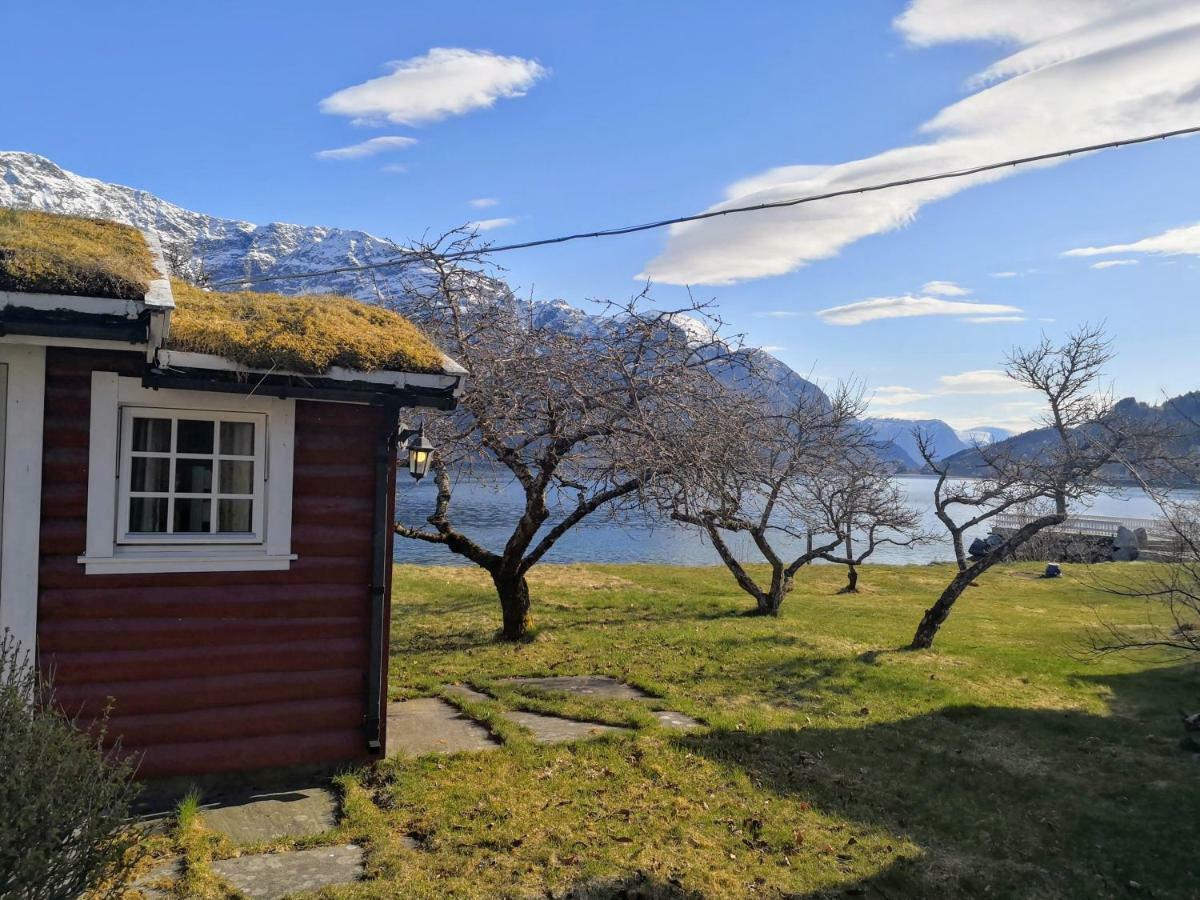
pixel 467 693
pixel 584 685
pixel 556 730
pixel 677 720
pixel 249 817
pixel 431 725
pixel 269 876
pixel 153 884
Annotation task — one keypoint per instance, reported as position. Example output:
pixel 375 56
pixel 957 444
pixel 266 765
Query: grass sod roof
pixel 52 254
pixel 307 333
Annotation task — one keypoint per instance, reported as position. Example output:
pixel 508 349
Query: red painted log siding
pixel 215 671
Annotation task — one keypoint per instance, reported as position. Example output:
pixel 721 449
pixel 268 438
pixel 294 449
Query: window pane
pixel 150 473
pixel 193 476
pixel 237 438
pixel 153 435
pixel 148 514
pixel 234 515
pixel 194 436
pixel 193 516
pixel 237 476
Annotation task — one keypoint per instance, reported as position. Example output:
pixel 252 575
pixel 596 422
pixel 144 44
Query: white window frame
pixel 109 551
pixel 125 445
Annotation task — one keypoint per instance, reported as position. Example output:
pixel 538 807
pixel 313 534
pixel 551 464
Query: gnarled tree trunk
pixel 513 591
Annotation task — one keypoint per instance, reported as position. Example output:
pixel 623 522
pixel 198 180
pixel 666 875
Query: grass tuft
pixel 52 254
pixel 308 333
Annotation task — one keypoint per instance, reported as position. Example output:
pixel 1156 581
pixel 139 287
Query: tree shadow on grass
pixel 1002 802
pixel 634 886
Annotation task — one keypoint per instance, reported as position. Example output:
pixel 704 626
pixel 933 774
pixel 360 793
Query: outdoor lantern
pixel 420 454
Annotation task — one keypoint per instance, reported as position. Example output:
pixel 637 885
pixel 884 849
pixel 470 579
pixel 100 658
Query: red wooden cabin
pixel 201 544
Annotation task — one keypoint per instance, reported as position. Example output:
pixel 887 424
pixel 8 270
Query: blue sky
pixel 581 115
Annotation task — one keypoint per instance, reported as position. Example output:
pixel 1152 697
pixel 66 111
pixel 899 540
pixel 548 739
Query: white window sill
pixel 160 562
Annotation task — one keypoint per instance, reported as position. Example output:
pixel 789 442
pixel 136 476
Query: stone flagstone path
pixel 254 817
pixel 557 730
pixel 415 727
pixel 431 725
pixel 269 876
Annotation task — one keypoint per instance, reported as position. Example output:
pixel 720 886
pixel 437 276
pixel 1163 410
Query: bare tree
pixel 799 477
pixel 1172 590
pixel 876 513
pixel 576 416
pixel 1082 435
pixel 1173 593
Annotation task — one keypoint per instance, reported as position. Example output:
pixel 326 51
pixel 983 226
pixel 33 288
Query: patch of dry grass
pixel 306 334
pixel 52 254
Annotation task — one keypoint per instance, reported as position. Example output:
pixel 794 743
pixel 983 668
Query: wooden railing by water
pixel 1101 526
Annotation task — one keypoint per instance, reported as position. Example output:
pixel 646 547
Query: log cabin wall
pixel 212 672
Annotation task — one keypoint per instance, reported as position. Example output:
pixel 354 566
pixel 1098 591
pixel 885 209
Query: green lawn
pixel 998 764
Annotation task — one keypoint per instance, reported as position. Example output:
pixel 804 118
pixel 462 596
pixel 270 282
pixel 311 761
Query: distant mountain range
pixel 230 250
pixel 1181 414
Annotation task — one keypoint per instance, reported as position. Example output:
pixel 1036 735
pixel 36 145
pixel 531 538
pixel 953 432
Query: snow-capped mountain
pixel 230 251
pixel 983 435
pixel 222 249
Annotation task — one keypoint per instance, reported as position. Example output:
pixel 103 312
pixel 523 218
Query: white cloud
pixel 907 306
pixel 944 289
pixel 1005 274
pixel 394 168
pixel 1183 241
pixel 490 224
pixel 994 320
pixel 483 202
pixel 1086 71
pixel 367 148
pixel 776 314
pixel 445 82
pixel 980 381
pixel 1113 263
pixel 896 395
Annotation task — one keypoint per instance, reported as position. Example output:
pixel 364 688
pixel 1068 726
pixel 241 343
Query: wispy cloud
pixel 1097 69
pixel 896 395
pixel 1183 241
pixel 394 168
pixel 981 381
pixel 772 348
pixel 994 320
pixel 490 224
pixel 907 306
pixel 370 147
pixel 944 289
pixel 444 82
pixel 483 202
pixel 1113 263
pixel 776 314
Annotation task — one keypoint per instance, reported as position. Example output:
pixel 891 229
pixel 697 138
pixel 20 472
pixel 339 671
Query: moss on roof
pixel 306 333
pixel 46 253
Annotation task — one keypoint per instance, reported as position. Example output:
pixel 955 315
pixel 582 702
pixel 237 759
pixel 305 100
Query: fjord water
pixel 486 511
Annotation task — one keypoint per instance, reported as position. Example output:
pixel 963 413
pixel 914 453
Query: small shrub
pixel 64 799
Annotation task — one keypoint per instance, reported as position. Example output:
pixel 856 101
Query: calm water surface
pixel 486 512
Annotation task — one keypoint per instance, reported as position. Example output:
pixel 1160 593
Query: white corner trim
pixel 22 504
pixel 105 556
pixel 102 466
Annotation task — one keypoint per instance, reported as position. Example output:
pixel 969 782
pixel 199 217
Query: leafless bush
pixel 64 799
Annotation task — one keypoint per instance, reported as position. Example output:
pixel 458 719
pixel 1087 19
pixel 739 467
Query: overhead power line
pixel 735 210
